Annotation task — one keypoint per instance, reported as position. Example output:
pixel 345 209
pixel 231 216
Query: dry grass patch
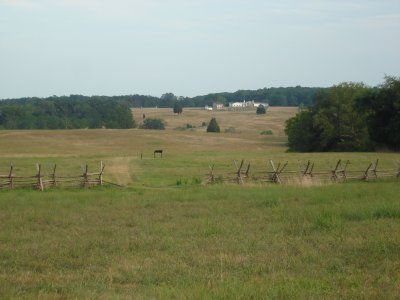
pixel 243 121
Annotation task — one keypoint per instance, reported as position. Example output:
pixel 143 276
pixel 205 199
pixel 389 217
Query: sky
pixel 193 47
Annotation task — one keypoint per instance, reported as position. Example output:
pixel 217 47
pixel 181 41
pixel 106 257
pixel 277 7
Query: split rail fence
pixel 42 180
pixel 280 174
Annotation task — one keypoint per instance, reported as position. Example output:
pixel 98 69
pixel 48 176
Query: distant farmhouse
pixel 245 105
pixel 218 106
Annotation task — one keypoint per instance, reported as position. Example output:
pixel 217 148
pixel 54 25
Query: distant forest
pixel 77 111
pixel 289 96
pixel 71 112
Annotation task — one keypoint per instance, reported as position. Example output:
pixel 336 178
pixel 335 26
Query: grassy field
pixel 188 153
pixel 157 239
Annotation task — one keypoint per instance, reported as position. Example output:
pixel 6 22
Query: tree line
pixel 349 117
pixel 282 96
pixel 64 113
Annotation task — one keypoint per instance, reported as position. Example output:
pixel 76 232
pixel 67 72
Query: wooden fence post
pixel 365 175
pixel 53 176
pixel 343 170
pixel 10 177
pixel 247 171
pixel 334 176
pixel 85 177
pixel 101 173
pixel 375 167
pixel 277 171
pixel 239 177
pixel 305 172
pixel 42 178
pixel 211 176
pixel 39 177
pixel 308 171
pixel 274 177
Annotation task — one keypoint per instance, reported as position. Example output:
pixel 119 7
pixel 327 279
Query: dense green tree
pixel 332 124
pixel 213 126
pixel 188 102
pixel 167 100
pixel 341 127
pixel 261 110
pixel 382 107
pixel 178 107
pixel 302 136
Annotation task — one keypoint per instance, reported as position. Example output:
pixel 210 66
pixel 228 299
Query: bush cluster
pixel 150 123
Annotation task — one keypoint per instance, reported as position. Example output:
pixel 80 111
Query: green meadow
pixel 165 234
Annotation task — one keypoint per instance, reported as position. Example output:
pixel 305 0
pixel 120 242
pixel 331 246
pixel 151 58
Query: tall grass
pixel 202 242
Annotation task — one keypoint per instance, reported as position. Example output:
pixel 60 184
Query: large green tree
pixel 332 124
pixel 302 135
pixel 168 100
pixel 178 107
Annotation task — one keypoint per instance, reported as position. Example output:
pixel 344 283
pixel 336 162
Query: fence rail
pixel 42 180
pixel 278 173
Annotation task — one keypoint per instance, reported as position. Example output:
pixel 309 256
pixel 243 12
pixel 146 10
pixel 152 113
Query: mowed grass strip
pixel 202 242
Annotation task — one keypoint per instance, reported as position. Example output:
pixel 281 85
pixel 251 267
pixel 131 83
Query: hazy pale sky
pixel 193 47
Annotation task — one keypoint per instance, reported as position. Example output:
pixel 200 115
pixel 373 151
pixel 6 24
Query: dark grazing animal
pixel 158 151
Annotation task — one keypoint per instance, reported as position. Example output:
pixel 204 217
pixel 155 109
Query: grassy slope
pixel 154 239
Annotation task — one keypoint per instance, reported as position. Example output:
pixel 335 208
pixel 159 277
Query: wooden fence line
pixel 278 173
pixel 41 181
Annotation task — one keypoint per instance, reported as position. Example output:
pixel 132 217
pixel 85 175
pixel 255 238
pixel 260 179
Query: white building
pixel 218 106
pixel 246 105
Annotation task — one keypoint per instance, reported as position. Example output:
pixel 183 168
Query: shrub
pixel 261 110
pixel 213 126
pixel 266 132
pixel 153 124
